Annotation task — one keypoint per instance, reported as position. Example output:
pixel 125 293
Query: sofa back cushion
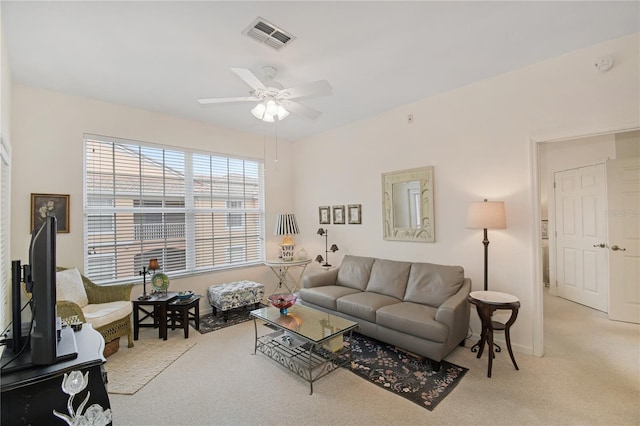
pixel 389 277
pixel 354 272
pixel 431 284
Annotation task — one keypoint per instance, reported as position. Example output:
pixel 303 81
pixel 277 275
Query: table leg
pixel 136 320
pixel 255 341
pixel 185 321
pixel 490 349
pixel 162 321
pixel 197 315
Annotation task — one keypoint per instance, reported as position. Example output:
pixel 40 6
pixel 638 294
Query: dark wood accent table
pixel 155 308
pixel 179 311
pixel 30 395
pixel 487 302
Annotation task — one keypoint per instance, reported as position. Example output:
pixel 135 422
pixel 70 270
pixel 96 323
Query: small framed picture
pixel 338 215
pixel 43 205
pixel 324 214
pixel 544 229
pixel 355 214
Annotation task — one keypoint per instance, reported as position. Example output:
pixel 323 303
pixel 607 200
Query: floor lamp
pixel 486 215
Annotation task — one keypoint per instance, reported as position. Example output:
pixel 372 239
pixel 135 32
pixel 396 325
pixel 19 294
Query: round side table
pixel 486 303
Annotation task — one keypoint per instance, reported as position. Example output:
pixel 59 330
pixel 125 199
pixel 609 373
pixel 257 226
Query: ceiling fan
pixel 274 100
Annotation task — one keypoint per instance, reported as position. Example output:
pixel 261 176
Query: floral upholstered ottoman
pixel 233 295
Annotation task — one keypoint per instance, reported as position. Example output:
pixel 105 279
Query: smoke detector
pixel 603 64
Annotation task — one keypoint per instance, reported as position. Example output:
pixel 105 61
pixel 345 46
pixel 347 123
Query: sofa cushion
pixel 325 296
pixel 364 304
pixel 431 284
pixel 354 272
pixel 100 314
pixel 389 277
pixel 413 318
pixel 69 287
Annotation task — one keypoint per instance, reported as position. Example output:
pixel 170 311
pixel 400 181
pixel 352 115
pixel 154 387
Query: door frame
pixel 534 147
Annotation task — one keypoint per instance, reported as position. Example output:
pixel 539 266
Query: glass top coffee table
pixel 306 340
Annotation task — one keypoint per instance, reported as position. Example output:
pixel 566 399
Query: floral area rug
pixel 209 323
pixel 400 373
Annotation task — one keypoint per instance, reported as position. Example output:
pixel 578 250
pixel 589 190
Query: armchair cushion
pixel 69 287
pixel 102 314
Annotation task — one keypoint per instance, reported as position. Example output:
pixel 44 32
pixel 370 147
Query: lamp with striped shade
pixel 286 225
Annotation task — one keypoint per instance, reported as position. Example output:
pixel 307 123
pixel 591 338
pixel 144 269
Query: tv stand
pixel 31 394
pixel 66 349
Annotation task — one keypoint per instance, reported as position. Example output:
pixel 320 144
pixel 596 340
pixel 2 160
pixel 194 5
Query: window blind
pixel 193 211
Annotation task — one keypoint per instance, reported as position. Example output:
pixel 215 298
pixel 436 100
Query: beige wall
pixel 479 140
pixel 48 130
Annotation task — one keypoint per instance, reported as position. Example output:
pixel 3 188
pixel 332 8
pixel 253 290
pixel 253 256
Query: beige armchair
pixel 107 308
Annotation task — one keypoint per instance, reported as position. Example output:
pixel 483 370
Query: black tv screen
pixel 42 258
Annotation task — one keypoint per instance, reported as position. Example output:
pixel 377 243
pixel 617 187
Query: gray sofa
pixel 419 307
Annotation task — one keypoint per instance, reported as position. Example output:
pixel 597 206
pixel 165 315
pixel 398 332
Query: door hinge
pixel 554 184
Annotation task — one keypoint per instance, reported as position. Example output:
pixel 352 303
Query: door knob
pixel 616 248
pixel 601 245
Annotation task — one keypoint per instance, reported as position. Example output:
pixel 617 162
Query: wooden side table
pixel 487 302
pixel 157 304
pixel 179 311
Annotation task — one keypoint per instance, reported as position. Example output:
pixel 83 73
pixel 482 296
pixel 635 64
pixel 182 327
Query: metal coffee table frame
pixel 298 340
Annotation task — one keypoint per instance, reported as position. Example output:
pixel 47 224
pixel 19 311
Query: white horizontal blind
pixel 194 212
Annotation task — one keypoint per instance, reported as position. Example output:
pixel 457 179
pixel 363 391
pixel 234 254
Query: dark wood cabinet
pixel 30 395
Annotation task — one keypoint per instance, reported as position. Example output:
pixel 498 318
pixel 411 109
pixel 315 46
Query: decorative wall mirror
pixel 407 202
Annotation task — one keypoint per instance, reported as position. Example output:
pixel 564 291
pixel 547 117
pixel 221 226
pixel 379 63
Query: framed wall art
pixel 43 205
pixel 338 215
pixel 354 213
pixel 324 214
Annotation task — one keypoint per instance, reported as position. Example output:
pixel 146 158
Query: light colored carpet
pixel 590 375
pixel 129 369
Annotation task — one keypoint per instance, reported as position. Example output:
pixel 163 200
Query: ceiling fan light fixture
pixel 268 118
pixel 259 110
pixel 272 107
pixel 282 113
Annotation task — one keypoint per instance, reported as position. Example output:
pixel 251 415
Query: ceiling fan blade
pixel 221 100
pixel 249 77
pixel 300 109
pixel 317 88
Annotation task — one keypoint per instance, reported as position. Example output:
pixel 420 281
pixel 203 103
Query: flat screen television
pixel 42 258
pixel 44 346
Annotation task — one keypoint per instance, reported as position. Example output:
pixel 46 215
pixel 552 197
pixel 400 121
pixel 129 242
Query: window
pixel 234 220
pixel 193 211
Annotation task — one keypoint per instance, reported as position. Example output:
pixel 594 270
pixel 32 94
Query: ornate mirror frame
pixel 422 232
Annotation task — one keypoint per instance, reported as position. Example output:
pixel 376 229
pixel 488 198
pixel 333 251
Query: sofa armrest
pixel 454 312
pixel 320 279
pixel 66 309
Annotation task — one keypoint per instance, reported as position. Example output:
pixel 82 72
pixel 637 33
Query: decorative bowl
pixel 183 295
pixel 283 301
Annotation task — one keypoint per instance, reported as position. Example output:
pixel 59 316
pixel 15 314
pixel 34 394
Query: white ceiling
pixel 162 56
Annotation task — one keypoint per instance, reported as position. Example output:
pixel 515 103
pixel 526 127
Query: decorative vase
pixel 302 254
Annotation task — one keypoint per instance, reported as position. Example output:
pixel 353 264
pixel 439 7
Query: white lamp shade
pixel 282 113
pixel 272 107
pixel 258 111
pixel 486 215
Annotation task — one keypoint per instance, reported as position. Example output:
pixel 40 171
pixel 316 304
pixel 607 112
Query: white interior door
pixel 582 271
pixel 623 191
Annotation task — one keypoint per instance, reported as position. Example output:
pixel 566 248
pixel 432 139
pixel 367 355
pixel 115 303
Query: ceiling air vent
pixel 267 33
